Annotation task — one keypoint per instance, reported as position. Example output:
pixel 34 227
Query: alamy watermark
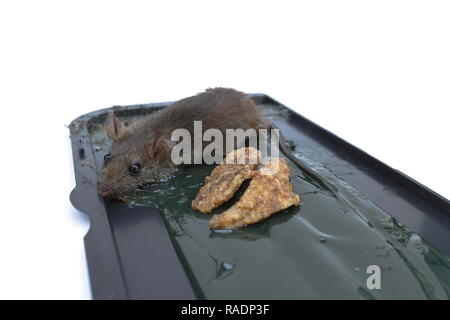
pixel 374 280
pixel 211 146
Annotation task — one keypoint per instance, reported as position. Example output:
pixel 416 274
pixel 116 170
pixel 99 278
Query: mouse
pixel 140 153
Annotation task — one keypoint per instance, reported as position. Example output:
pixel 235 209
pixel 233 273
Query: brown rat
pixel 140 153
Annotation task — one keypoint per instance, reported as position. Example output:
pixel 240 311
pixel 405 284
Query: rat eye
pixel 107 158
pixel 134 168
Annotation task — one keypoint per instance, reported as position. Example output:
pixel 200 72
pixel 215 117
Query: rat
pixel 141 153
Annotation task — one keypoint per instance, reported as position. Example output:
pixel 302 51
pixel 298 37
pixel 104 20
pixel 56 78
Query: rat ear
pixel 115 129
pixel 159 150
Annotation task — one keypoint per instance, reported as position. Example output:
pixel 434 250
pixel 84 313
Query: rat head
pixel 137 158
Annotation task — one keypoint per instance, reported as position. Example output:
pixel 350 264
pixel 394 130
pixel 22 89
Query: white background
pixel 376 73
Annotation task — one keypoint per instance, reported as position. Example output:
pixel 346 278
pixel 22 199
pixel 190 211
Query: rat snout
pixel 106 190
